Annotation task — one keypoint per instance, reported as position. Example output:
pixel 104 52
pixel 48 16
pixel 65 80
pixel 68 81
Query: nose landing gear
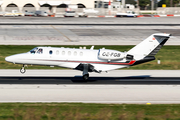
pixel 23 70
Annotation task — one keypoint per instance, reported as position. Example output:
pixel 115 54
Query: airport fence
pixel 114 11
pixel 168 10
pixel 95 11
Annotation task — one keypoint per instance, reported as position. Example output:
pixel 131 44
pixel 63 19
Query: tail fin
pixel 150 46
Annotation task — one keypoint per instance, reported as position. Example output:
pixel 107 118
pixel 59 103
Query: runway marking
pixel 61 33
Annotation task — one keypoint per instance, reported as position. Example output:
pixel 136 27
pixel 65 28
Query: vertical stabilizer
pixel 150 46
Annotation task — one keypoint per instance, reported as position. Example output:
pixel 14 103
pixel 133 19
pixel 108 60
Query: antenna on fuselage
pixel 92 47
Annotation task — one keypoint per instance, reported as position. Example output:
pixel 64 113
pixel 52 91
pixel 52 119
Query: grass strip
pixel 169 56
pixel 81 111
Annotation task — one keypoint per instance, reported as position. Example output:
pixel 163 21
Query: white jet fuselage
pixel 90 60
pixel 69 58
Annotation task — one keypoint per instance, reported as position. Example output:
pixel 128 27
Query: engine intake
pixel 129 57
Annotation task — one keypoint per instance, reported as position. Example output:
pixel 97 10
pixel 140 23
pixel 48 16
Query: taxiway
pixel 85 31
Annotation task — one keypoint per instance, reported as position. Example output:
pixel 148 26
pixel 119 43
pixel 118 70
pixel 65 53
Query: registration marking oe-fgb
pixel 111 54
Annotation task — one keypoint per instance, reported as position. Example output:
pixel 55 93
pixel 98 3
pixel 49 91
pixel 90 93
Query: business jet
pixel 91 60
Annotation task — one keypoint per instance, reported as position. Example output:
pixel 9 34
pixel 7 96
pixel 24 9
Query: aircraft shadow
pixel 133 80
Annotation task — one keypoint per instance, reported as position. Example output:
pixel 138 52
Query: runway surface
pixel 119 86
pixel 133 77
pixel 133 80
pixel 106 21
pixel 85 31
pixel 83 34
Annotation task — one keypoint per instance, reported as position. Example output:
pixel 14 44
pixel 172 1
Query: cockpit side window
pixel 36 50
pixel 40 51
pixel 33 51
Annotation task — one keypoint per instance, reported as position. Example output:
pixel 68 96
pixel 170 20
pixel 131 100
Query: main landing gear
pixel 23 70
pixel 86 77
pixel 85 72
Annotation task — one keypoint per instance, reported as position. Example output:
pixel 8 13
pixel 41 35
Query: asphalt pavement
pixel 104 21
pixel 54 77
pixel 85 31
pixel 121 86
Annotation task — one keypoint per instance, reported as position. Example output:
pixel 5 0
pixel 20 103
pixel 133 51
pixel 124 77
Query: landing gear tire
pixel 86 76
pixel 22 70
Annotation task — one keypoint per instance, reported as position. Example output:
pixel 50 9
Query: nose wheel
pixel 23 70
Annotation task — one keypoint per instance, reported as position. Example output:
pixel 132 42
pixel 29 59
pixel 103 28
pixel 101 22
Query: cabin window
pixel 63 52
pixel 75 53
pixel 40 51
pixel 50 52
pixel 69 52
pixel 57 52
pixel 81 53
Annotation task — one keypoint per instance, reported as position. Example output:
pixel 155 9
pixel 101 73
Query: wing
pixel 90 68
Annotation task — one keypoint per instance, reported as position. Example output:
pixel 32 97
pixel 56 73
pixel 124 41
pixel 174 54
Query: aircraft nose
pixel 15 58
pixel 9 59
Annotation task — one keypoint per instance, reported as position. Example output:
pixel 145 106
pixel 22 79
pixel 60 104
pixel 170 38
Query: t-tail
pixel 147 49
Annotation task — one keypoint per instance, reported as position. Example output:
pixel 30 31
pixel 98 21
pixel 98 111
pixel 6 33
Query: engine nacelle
pixel 109 55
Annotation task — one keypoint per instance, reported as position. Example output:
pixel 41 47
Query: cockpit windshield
pixel 36 50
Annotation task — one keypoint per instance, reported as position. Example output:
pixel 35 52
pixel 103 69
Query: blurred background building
pixel 52 4
pixel 110 7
